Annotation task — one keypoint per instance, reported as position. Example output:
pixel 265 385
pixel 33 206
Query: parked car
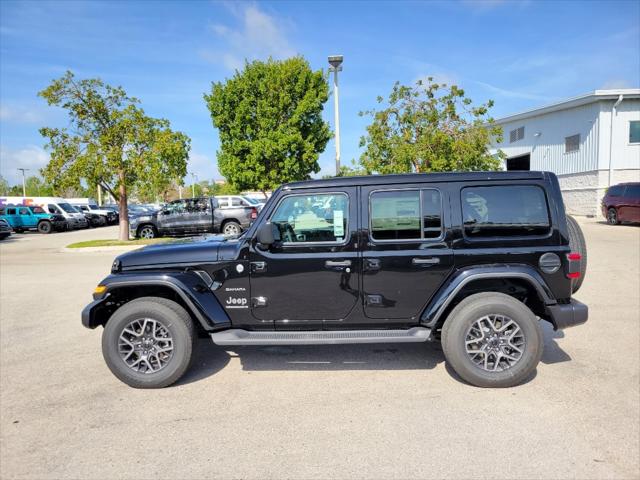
pixel 227 201
pixel 23 218
pixel 110 217
pixel 621 203
pixel 472 260
pixel 55 205
pixel 94 220
pixel 238 212
pixel 5 229
pixel 180 217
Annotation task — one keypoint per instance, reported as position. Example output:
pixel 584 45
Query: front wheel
pixel 492 340
pixel 612 217
pixel 147 231
pixel 44 227
pixel 148 342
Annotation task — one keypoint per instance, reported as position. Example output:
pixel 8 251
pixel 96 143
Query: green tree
pixel 110 142
pixel 4 186
pixel 429 128
pixel 269 117
pixel 36 187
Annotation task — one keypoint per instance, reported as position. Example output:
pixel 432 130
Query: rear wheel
pixel 147 231
pixel 612 217
pixel 577 243
pixel 492 340
pixel 45 227
pixel 148 342
pixel 231 228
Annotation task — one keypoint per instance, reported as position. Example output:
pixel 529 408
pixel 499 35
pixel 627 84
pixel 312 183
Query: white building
pixel 590 142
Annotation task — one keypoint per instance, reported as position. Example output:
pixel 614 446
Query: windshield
pixel 37 210
pixel 67 208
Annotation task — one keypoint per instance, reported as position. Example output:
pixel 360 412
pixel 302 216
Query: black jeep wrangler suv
pixel 473 260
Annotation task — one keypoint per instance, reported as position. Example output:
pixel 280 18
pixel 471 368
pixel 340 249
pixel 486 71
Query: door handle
pixel 337 263
pixel 426 261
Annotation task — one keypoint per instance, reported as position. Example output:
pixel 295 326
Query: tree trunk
pixel 122 207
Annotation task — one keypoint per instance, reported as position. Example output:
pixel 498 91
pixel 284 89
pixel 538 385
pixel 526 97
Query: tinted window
pixel 11 211
pixel 632 191
pixel 504 211
pixel 634 131
pixel 313 218
pixel 395 215
pixel 67 208
pixel 53 209
pixel 431 212
pixel 24 211
pixel 615 191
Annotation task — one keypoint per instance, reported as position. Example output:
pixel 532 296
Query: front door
pixel 407 255
pixel 310 277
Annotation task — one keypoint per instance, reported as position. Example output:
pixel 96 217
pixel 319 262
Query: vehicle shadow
pixel 210 359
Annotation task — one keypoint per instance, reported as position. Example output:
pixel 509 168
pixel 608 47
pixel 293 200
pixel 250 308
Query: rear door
pixel 629 204
pixel 13 218
pixel 408 254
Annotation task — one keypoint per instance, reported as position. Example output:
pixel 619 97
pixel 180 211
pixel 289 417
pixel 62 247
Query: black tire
pixel 459 322
pixel 45 227
pixel 577 243
pixel 231 227
pixel 147 231
pixel 612 216
pixel 172 317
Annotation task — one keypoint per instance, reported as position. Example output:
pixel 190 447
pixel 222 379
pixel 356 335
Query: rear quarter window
pixel 505 211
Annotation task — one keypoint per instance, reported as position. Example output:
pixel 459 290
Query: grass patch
pixel 118 243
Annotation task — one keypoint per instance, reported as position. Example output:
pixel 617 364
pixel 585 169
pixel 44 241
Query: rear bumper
pixel 567 315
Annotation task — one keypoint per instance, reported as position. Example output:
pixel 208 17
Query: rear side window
pixel 11 211
pixel 24 211
pixel 505 211
pixel 406 214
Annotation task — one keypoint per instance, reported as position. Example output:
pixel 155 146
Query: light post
pixel 24 186
pixel 194 177
pixel 336 66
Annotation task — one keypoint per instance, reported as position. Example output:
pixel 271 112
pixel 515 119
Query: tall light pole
pixel 24 185
pixel 193 185
pixel 336 66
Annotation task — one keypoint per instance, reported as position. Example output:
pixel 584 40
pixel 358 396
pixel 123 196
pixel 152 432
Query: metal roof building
pixel 590 142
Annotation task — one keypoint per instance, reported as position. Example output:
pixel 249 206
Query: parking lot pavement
pixel 367 411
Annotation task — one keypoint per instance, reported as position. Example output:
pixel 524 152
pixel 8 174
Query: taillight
pixel 574 265
pixel 254 213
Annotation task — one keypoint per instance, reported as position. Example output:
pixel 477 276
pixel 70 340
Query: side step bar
pixel 237 336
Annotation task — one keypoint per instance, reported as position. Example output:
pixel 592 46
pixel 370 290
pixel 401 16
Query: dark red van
pixel 621 203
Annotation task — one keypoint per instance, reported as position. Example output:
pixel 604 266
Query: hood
pixel 190 250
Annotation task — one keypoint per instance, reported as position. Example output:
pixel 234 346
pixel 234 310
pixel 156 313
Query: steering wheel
pixel 289 233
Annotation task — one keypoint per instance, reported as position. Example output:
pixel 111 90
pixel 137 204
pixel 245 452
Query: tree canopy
pixel 110 142
pixel 430 127
pixel 269 116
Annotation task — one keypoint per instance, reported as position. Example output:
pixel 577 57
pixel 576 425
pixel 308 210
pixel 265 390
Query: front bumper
pixel 565 315
pixel 89 319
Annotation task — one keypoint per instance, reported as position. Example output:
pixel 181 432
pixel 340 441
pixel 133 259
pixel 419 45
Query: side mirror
pixel 268 234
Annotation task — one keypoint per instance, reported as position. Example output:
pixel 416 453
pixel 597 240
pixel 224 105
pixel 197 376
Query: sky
pixel 521 54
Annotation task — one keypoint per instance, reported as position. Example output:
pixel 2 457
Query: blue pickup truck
pixel 22 217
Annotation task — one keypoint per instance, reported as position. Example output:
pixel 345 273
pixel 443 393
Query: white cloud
pixel 21 114
pixel 503 92
pixel 258 36
pixel 204 166
pixel 31 157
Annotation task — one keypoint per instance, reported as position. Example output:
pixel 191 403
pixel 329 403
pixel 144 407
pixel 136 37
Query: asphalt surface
pixel 374 411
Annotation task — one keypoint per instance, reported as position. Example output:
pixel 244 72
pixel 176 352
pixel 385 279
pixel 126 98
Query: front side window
pixel 53 209
pixel 634 131
pixel 403 215
pixel 632 191
pixel 572 143
pixel 313 218
pixel 504 211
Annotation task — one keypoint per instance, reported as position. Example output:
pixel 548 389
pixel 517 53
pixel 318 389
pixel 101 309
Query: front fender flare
pixel 191 289
pixel 438 304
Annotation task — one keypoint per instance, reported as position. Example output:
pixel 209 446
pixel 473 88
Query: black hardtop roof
pixel 415 178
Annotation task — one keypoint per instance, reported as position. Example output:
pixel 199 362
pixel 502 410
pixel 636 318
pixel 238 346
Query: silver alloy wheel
pixel 145 345
pixel 495 343
pixel 147 232
pixel 231 228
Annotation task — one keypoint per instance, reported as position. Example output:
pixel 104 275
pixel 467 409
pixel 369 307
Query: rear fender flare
pixel 447 293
